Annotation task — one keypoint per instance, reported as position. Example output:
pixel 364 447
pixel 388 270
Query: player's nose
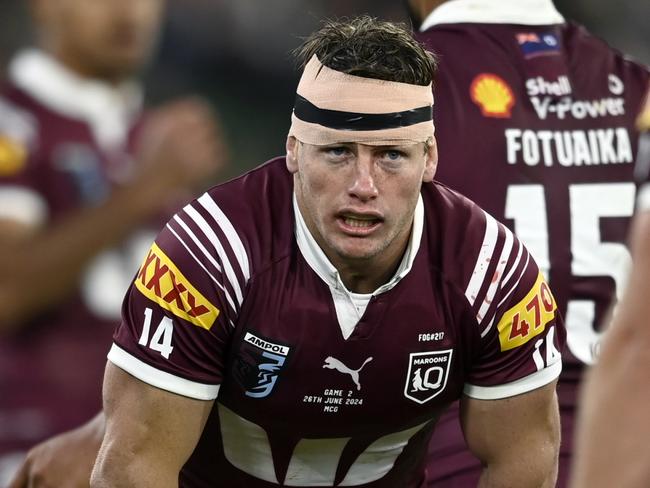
pixel 363 184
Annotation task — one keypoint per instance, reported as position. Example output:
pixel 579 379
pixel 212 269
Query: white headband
pixel 333 107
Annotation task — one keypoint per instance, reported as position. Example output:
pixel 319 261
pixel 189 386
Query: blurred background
pixel 236 53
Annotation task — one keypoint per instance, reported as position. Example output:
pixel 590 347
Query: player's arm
pixel 614 427
pixel 64 460
pixel 509 411
pixel 39 266
pixel 517 439
pixel 150 433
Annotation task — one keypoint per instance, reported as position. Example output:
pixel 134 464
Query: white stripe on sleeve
pixel 231 234
pixel 483 260
pixel 215 280
pixel 161 379
pixel 495 283
pixel 523 385
pixel 212 236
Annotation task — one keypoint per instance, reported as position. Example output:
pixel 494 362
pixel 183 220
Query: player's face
pixel 107 39
pixel 358 200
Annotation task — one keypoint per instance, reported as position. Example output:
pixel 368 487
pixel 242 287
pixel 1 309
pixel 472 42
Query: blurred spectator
pixel 82 177
pixel 225 47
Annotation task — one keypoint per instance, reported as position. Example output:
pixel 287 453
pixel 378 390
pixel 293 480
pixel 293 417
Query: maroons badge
pixel 427 375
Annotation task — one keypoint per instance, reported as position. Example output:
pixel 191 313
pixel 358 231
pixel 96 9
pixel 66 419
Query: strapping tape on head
pixel 333 107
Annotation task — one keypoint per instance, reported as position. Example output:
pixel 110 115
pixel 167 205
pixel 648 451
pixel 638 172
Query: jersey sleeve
pixel 21 195
pixel 521 331
pixel 180 310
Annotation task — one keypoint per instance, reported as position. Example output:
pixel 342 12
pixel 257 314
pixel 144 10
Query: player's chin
pixel 359 248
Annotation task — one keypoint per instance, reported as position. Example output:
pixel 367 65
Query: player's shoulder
pixel 261 197
pixel 584 46
pixel 460 218
pixel 469 246
pixel 247 220
pixel 216 244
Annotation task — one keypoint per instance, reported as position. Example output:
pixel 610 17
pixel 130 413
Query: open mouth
pixel 359 224
pixel 356 222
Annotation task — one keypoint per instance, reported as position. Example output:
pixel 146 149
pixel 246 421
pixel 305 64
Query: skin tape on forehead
pixel 333 107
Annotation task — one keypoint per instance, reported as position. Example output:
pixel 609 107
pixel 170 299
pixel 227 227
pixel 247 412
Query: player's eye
pixel 392 158
pixel 336 153
pixel 393 155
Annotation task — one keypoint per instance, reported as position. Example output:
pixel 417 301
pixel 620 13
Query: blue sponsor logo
pixel 533 44
pixel 259 364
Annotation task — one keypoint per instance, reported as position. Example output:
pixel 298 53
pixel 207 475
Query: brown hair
pixel 368 47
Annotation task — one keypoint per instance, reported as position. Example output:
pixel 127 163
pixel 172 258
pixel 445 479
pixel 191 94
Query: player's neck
pixel 367 275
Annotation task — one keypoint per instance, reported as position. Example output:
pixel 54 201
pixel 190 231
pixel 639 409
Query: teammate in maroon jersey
pixel 552 109
pixel 613 425
pixel 307 323
pixel 70 188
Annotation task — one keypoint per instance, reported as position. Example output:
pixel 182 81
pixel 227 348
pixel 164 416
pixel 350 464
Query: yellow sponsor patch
pixel 162 282
pixel 527 318
pixel 13 156
pixel 493 95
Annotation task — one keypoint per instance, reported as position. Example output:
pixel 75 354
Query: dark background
pixel 236 53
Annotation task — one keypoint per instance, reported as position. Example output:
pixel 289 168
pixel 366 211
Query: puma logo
pixel 333 363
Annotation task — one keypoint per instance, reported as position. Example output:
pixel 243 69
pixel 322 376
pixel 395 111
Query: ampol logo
pixel 258 364
pixel 493 95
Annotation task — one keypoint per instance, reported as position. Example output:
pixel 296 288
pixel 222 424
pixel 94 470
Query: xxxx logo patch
pixel 162 282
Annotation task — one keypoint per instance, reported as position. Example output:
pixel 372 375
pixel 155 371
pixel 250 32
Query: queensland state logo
pixel 258 364
pixel 493 95
pixel 12 156
pixel 427 375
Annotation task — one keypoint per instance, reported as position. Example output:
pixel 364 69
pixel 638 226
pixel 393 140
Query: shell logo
pixel 493 95
pixel 12 156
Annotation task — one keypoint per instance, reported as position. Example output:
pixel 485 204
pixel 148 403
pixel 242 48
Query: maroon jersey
pixel 55 158
pixel 315 385
pixel 536 124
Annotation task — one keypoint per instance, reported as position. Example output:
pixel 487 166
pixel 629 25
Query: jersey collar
pixel 108 109
pixel 322 266
pixel 523 12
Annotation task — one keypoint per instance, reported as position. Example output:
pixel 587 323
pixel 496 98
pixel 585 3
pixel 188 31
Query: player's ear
pixel 431 160
pixel 292 154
